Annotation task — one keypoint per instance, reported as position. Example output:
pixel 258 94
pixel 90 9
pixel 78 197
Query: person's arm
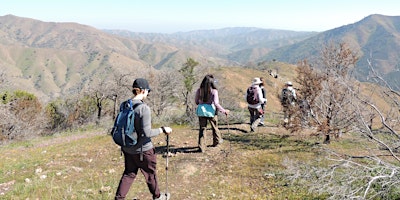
pixel 294 94
pixel 260 95
pixel 264 92
pixel 216 102
pixel 146 122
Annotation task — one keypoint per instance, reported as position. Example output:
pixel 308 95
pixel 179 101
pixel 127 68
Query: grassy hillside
pixel 259 166
pixel 88 165
pixel 237 79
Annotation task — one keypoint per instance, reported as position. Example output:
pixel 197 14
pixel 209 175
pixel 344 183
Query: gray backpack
pixel 287 97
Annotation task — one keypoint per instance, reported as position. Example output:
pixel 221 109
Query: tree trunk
pixel 327 139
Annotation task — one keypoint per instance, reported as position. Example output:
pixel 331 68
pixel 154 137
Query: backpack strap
pixel 135 105
pixel 129 103
pixel 133 108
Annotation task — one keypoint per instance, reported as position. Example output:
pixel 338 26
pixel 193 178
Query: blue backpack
pixel 123 132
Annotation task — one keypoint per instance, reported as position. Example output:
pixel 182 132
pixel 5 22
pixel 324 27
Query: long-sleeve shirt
pixel 290 88
pixel 142 128
pixel 260 96
pixel 214 99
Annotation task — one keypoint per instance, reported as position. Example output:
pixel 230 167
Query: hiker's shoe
pixel 219 143
pixel 261 124
pixel 200 150
pixel 286 120
pixel 163 196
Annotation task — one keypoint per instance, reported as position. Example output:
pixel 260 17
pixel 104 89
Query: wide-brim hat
pixel 289 83
pixel 256 81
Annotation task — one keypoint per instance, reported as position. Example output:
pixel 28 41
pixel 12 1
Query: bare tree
pixel 110 91
pixel 327 91
pixel 372 172
pixel 3 79
pixel 21 114
pixel 100 91
pixel 165 90
pixel 189 80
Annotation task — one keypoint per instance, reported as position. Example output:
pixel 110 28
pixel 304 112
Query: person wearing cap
pixel 142 156
pixel 255 109
pixel 208 94
pixel 288 99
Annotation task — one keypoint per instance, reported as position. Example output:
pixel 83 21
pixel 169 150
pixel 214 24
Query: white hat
pixel 256 81
pixel 289 83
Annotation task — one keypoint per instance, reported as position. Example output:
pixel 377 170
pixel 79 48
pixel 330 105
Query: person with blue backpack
pixel 138 149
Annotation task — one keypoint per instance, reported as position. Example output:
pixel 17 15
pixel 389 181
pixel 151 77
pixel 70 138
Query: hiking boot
pixel 200 150
pixel 286 120
pixel 218 143
pixel 163 196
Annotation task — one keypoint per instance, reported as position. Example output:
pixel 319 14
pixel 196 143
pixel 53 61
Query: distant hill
pixel 55 59
pixel 376 37
pixel 237 45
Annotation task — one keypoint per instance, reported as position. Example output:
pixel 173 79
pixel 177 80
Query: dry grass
pixel 88 165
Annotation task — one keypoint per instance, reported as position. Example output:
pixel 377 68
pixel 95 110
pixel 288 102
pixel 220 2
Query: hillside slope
pixel 57 59
pixel 375 38
pixel 71 167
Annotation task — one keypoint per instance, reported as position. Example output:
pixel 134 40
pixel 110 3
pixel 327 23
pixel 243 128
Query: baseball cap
pixel 141 83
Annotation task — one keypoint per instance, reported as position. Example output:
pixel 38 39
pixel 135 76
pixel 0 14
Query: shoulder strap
pixel 130 104
pixel 136 105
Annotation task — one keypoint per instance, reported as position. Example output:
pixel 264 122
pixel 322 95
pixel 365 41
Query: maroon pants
pixel 148 168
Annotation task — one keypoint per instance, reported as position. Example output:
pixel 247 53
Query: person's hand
pixel 166 130
pixel 227 112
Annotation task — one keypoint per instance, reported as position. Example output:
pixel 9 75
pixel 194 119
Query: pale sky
pixel 168 16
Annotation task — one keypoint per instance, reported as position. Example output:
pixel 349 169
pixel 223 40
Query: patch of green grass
pixel 88 165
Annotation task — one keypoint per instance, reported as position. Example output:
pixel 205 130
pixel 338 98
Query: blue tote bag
pixel 205 110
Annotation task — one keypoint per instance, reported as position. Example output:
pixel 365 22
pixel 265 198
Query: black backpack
pixel 287 97
pixel 123 132
pixel 252 95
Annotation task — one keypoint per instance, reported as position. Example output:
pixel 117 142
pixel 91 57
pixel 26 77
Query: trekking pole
pixel 229 134
pixel 166 168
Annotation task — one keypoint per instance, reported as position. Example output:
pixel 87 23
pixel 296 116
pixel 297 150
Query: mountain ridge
pixel 54 59
pixel 375 38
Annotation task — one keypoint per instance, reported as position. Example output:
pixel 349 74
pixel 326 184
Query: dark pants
pixel 255 118
pixel 217 138
pixel 148 168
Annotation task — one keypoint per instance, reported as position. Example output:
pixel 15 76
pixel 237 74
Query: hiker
pixel 255 99
pixel 305 112
pixel 288 100
pixel 141 156
pixel 208 94
pixel 264 94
